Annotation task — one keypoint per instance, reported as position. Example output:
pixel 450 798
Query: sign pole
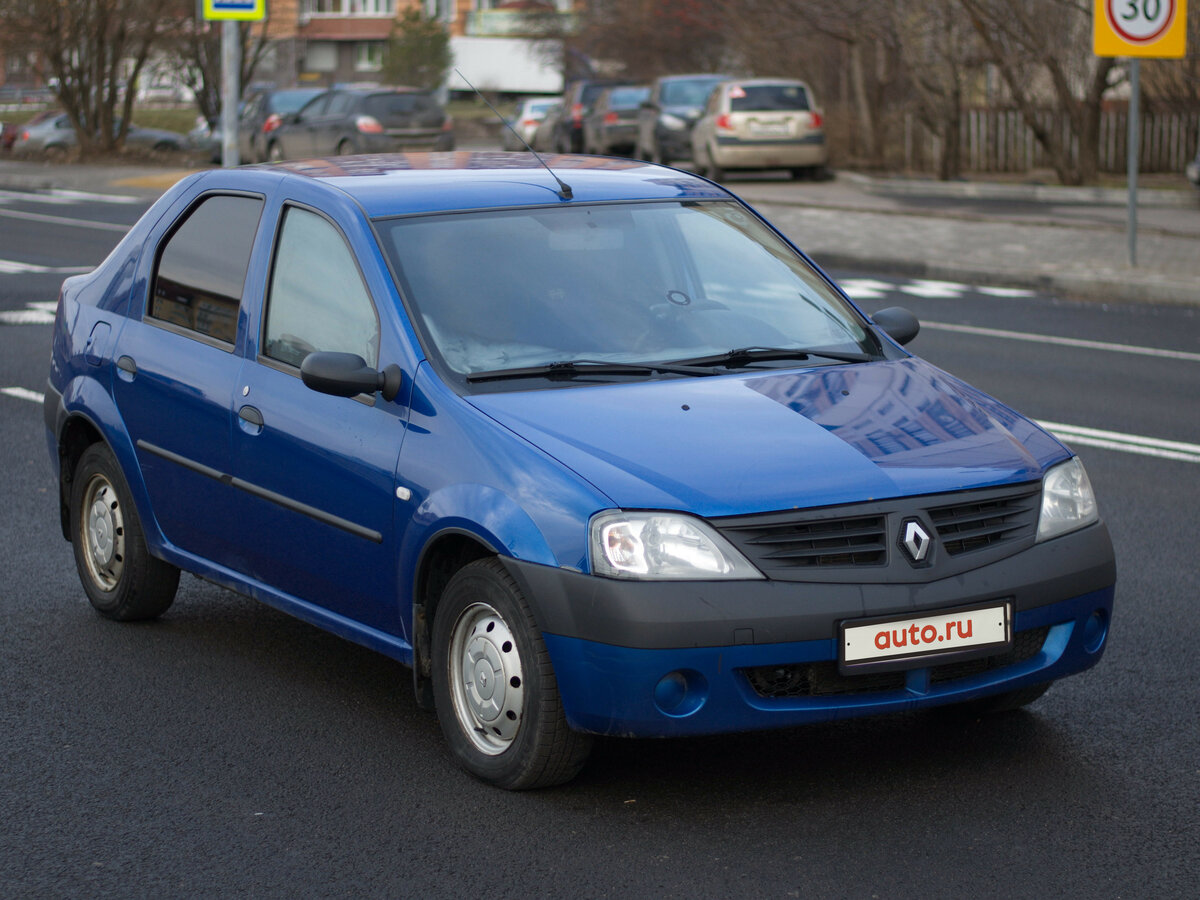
pixel 1135 66
pixel 231 64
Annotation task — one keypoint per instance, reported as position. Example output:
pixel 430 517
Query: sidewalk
pixel 1071 241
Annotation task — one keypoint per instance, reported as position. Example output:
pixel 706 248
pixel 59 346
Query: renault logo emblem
pixel 915 540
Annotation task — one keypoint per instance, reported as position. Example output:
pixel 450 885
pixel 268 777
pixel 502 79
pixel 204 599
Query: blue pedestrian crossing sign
pixel 235 10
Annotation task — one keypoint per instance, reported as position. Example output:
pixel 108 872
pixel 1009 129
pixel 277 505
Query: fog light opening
pixel 681 693
pixel 1095 630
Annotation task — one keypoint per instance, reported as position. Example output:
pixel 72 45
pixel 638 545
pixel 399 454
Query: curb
pixel 1030 193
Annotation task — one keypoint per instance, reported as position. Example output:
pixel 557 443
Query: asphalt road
pixel 228 750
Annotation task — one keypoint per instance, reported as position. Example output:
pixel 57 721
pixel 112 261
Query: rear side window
pixel 317 299
pixel 202 267
pixel 767 97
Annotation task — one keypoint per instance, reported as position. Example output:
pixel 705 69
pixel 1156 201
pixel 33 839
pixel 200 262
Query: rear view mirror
pixel 348 375
pixel 897 323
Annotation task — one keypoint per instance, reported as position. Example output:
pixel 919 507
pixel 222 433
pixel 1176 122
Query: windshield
pixel 628 282
pixel 688 93
pixel 767 97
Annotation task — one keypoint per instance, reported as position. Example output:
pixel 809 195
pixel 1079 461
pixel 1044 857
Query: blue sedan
pixel 589 446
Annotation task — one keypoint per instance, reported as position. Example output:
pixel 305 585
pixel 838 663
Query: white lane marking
pixel 64 197
pixel 12 267
pixel 21 393
pixel 922 287
pixel 1127 443
pixel 62 220
pixel 34 314
pixel 1005 292
pixel 1064 341
pixel 866 288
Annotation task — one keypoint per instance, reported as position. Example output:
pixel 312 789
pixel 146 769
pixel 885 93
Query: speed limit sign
pixel 1143 28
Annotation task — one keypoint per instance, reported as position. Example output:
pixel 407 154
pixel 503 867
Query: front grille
pixel 823 679
pixel 980 523
pixel 859 541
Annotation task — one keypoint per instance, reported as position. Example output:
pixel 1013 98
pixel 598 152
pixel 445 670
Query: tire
pixel 511 731
pixel 712 171
pixel 122 580
pixel 275 152
pixel 999 703
pixel 345 148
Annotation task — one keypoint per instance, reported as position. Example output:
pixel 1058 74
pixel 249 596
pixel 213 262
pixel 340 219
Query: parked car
pixel 611 127
pixel 763 123
pixel 263 112
pixel 55 136
pixel 623 462
pixel 363 121
pixel 577 105
pixel 525 121
pixel 544 134
pixel 667 116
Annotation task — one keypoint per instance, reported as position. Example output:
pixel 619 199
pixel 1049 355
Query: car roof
pixel 408 183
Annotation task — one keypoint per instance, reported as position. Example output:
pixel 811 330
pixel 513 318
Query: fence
pixel 1001 141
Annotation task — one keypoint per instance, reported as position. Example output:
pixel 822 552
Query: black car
pixel 666 118
pixel 263 112
pixel 383 120
pixel 611 129
pixel 577 103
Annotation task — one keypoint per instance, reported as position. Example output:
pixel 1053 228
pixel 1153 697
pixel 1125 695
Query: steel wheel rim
pixel 486 679
pixel 102 528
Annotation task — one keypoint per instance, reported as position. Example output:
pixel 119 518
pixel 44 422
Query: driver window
pixel 317 299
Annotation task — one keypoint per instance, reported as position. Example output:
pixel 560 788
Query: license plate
pixel 769 129
pixel 895 642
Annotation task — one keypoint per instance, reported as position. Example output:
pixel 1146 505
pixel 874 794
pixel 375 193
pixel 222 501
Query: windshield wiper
pixel 573 368
pixel 739 358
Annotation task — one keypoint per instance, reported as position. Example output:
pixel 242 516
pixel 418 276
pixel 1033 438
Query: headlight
pixel 662 546
pixel 1067 500
pixel 673 122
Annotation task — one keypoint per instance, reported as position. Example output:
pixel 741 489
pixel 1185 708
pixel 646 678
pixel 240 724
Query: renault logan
pixel 592 448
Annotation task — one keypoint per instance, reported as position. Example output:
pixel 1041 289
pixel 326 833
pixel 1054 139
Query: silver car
pixel 525 121
pixel 56 136
pixel 760 123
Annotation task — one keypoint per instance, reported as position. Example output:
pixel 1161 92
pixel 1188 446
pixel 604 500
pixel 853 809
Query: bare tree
pixel 943 57
pixel 1043 51
pixel 194 49
pixel 93 51
pixel 647 38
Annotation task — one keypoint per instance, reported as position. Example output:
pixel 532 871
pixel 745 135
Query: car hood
pixel 731 445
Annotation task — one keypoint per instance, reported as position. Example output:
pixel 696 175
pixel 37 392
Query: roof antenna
pixel 564 189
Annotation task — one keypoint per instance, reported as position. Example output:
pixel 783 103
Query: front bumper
pixel 663 659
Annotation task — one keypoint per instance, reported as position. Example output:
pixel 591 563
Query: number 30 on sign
pixel 1144 28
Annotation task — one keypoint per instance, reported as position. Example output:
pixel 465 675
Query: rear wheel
pixel 275 152
pixel 494 688
pixel 712 171
pixel 345 148
pixel 122 580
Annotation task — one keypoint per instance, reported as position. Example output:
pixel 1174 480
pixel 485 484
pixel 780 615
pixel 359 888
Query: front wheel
pixel 494 687
pixel 122 580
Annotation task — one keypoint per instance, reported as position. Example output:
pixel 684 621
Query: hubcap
pixel 103 533
pixel 488 684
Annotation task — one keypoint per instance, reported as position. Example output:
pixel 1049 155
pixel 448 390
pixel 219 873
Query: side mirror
pixel 348 375
pixel 897 323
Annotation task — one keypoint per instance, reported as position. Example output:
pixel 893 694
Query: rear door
pixel 177 369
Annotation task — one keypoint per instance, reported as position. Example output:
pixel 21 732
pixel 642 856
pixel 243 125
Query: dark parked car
pixel 341 122
pixel 611 127
pixel 263 112
pixel 667 116
pixel 577 105
pixel 612 460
